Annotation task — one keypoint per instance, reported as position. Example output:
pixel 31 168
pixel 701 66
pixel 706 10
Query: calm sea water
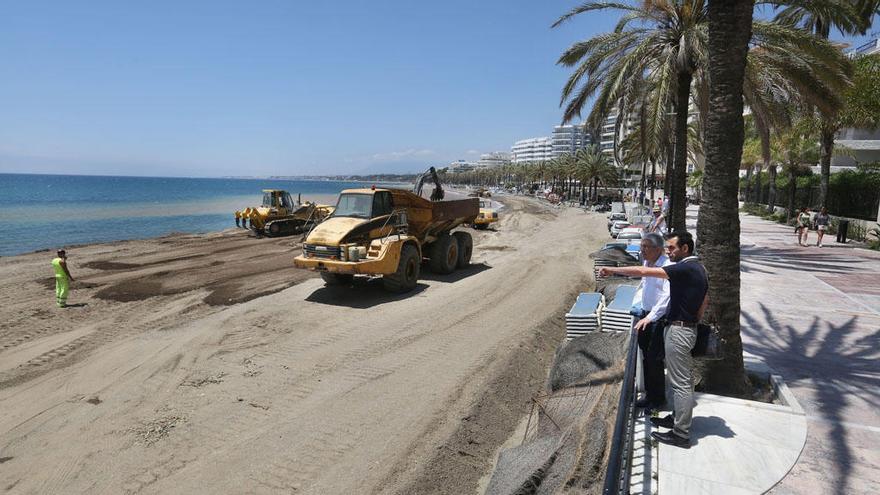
pixel 49 211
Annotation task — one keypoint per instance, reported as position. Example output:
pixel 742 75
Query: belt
pixel 686 324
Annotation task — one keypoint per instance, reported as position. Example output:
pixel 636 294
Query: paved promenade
pixel 813 314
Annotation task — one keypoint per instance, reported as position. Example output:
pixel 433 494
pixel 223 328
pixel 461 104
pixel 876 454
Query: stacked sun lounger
pixel 615 254
pixel 583 317
pixel 616 316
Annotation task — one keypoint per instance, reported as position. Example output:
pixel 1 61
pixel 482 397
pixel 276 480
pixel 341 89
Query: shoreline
pixel 319 198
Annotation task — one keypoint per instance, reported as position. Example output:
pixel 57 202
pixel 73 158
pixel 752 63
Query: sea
pixel 52 211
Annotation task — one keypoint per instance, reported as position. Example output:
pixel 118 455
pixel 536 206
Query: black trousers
pixel 651 344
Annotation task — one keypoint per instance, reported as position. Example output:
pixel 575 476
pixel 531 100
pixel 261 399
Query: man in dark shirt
pixel 688 298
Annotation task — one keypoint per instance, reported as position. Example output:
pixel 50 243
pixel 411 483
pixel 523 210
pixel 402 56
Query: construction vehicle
pixel 486 216
pixel 388 232
pixel 279 215
pixel 481 192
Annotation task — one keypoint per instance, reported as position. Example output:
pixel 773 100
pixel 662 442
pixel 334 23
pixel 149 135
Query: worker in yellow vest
pixel 62 278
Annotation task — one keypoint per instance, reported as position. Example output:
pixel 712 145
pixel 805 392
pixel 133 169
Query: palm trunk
pixel 827 140
pixel 678 208
pixel 642 182
pixel 771 193
pixel 653 179
pixel 667 179
pixel 792 190
pixel 718 224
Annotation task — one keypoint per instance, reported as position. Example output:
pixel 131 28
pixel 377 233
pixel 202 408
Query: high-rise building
pixel 532 150
pixel 568 139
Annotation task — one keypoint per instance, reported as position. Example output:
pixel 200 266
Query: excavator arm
pixel 431 173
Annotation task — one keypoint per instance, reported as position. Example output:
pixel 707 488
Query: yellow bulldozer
pixel 279 215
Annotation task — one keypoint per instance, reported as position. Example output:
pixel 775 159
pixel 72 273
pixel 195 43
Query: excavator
pixel 279 215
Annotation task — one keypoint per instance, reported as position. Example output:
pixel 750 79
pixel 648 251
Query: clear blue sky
pixel 211 88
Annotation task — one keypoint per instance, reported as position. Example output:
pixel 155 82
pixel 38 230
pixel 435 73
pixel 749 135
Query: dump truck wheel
pixel 465 248
pixel 337 278
pixel 407 274
pixel 444 254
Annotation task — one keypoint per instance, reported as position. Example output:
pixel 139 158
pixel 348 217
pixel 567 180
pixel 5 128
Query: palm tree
pixel 592 168
pixel 669 44
pixel 730 28
pixel 661 45
pixel 796 149
pixel 820 17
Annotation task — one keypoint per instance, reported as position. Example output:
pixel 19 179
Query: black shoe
pixel 665 422
pixel 670 438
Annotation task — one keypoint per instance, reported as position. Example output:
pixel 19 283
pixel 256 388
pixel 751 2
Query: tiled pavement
pixel 813 315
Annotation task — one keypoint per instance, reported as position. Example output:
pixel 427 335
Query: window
pixel 354 205
pixel 382 204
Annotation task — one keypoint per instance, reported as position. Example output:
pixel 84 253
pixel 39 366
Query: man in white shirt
pixel 654 301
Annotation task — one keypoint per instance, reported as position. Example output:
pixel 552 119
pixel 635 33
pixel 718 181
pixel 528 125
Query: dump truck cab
pixel 387 232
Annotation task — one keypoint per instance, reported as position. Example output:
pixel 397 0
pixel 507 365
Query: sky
pixel 224 88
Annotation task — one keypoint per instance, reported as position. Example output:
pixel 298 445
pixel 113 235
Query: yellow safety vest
pixel 59 270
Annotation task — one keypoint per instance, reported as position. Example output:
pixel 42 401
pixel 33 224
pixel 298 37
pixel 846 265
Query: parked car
pixel 615 217
pixel 633 235
pixel 617 226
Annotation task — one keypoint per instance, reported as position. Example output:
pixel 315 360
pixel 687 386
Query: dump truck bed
pixel 427 217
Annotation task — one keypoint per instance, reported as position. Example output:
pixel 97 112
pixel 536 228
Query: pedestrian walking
pixel 803 226
pixel 62 278
pixel 652 304
pixel 822 220
pixel 688 298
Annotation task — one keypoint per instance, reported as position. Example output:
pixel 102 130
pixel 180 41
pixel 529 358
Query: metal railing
pixel 617 473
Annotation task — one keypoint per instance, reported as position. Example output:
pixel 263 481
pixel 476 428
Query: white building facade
pixel 494 159
pixel 532 150
pixel 568 139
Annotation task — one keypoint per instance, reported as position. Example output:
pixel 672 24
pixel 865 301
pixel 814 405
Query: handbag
pixel 708 344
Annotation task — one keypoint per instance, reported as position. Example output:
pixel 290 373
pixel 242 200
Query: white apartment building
pixel 460 166
pixel 568 139
pixel 494 159
pixel 532 150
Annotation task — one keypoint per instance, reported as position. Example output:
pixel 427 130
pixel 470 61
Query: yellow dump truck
pixel 280 215
pixel 388 232
pixel 486 216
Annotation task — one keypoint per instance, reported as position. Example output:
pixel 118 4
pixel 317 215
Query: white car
pixel 633 235
pixel 613 217
pixel 617 226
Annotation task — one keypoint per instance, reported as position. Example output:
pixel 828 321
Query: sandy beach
pixel 209 364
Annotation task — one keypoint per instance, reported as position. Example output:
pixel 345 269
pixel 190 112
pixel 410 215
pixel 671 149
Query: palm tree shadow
pixel 833 360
